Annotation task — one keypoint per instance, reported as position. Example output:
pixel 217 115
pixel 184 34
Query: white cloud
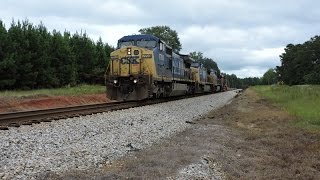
pixel 262 55
pixel 120 9
pixel 248 71
pixel 113 33
pixel 108 33
pixel 213 35
pixel 245 37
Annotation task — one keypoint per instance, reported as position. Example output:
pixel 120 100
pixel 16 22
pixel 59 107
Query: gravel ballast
pixel 94 140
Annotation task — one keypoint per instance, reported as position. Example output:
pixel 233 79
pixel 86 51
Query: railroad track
pixel 16 119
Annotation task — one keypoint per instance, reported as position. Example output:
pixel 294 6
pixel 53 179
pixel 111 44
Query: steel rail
pixel 16 119
pixel 35 116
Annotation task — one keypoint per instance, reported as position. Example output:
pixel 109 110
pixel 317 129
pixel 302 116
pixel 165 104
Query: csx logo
pixel 130 60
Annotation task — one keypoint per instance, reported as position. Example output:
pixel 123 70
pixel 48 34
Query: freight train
pixel 144 66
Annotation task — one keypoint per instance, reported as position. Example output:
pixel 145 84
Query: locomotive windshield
pixel 195 65
pixel 147 44
pixel 140 43
pixel 124 44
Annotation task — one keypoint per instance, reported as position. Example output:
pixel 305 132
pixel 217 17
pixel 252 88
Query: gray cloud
pixel 245 37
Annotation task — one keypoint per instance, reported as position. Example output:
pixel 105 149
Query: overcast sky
pixel 244 37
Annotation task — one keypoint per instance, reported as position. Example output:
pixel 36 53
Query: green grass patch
pixel 302 101
pixel 66 91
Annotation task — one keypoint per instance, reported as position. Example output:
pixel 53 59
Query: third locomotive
pixel 143 66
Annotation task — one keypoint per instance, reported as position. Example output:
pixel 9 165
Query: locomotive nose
pixel 130 61
pixel 130 69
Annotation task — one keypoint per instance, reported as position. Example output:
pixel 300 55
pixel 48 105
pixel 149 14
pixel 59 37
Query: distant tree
pixel 3 40
pixel 208 63
pixel 103 57
pixel 312 75
pixel 84 50
pixel 196 55
pixel 166 34
pixel 108 49
pixel 7 62
pixel 269 77
pixel 233 80
pixel 21 51
pixel 62 60
pixel 249 81
pixel 300 64
pixel 43 58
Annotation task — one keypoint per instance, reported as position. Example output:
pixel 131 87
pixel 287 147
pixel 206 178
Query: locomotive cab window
pixel 161 46
pixel 124 44
pixel 146 44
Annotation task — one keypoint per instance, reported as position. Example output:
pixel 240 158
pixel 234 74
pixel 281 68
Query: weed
pixel 66 91
pixel 301 101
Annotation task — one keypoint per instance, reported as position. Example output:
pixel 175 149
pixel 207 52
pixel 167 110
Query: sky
pixel 245 37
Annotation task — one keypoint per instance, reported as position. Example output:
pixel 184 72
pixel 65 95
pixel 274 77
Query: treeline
pixel 241 83
pixel 300 64
pixel 268 78
pixel 32 57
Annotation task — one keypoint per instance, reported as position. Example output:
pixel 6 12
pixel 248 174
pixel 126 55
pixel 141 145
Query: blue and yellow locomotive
pixel 143 66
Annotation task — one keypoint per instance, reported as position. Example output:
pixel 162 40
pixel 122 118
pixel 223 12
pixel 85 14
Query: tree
pixel 7 63
pixel 84 50
pixel 313 76
pixel 208 63
pixel 196 55
pixel 21 52
pixel 43 58
pixel 32 57
pixel 300 64
pixel 3 40
pixel 103 57
pixel 233 80
pixel 269 77
pixel 62 60
pixel 166 34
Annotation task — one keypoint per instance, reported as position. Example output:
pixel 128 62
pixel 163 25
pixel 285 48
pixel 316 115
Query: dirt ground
pixel 12 104
pixel 247 139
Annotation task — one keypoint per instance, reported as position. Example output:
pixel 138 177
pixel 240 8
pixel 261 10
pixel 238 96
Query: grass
pixel 302 101
pixel 66 91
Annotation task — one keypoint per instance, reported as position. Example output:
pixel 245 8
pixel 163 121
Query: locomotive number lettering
pixel 146 55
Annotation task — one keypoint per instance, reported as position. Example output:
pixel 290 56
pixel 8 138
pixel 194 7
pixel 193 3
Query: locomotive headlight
pixel 115 81
pixel 135 81
pixel 129 51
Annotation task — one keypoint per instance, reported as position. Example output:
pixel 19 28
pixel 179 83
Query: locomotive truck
pixel 143 66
